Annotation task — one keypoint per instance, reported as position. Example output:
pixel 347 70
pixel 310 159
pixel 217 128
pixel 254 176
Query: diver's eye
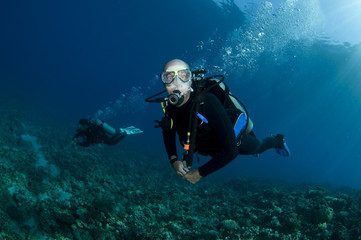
pixel 170 76
pixel 183 74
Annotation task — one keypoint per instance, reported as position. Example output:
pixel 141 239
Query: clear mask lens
pixel 184 75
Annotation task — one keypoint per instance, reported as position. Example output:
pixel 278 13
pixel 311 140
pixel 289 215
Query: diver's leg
pixel 251 145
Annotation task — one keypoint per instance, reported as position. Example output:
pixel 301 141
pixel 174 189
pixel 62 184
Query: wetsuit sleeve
pixel 222 126
pixel 170 142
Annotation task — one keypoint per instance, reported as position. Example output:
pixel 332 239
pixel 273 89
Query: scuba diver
pixel 95 131
pixel 208 119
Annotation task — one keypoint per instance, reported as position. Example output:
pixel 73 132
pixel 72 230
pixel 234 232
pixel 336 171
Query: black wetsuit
pixel 216 139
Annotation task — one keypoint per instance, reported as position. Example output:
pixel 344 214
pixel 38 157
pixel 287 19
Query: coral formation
pixel 119 193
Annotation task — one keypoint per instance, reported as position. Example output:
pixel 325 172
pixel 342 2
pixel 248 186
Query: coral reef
pixel 53 189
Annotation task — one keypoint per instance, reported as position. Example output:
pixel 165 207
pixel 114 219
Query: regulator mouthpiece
pixel 176 99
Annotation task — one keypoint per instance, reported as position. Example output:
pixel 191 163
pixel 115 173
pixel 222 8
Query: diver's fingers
pixel 181 172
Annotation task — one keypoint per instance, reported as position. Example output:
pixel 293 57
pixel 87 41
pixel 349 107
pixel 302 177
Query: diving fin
pixel 131 130
pixel 283 149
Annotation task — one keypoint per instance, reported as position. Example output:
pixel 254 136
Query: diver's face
pixel 178 85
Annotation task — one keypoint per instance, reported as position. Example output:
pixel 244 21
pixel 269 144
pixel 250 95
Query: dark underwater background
pixel 294 64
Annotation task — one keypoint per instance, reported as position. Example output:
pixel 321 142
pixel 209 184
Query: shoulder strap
pixel 167 122
pixel 201 91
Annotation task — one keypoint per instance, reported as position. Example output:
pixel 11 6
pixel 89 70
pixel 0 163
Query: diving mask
pixel 184 75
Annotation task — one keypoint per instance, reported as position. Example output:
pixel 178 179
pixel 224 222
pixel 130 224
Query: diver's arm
pixel 170 143
pixel 170 146
pixel 221 124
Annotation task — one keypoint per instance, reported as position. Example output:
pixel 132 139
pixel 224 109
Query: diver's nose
pixel 177 81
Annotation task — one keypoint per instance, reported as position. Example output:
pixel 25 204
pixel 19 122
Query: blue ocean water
pixel 69 59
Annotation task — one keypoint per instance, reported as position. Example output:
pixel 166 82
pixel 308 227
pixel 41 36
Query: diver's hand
pixel 179 168
pixel 193 176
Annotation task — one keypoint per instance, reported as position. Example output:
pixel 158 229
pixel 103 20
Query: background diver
pixel 215 132
pixel 95 131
